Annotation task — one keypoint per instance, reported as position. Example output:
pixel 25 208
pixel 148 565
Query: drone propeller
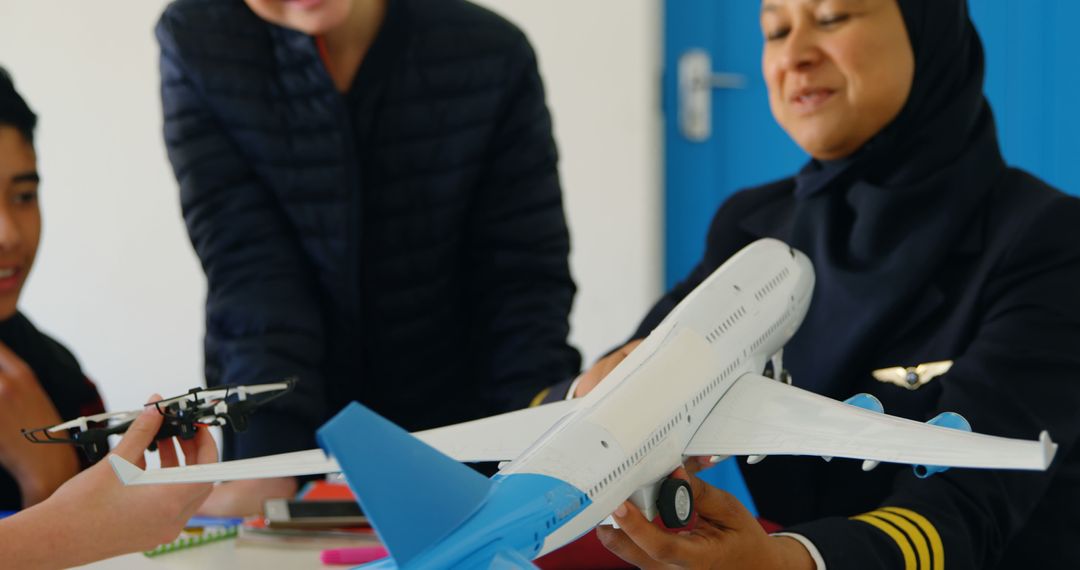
pixel 209 398
pixel 242 392
pixel 82 423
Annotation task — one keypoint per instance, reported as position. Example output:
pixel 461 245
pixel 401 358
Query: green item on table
pixel 189 539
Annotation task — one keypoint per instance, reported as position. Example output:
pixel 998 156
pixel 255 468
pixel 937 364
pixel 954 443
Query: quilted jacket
pixel 403 245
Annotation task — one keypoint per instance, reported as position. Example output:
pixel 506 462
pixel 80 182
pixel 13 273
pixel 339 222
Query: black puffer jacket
pixel 403 245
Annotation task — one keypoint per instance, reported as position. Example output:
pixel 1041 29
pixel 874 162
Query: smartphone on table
pixel 285 513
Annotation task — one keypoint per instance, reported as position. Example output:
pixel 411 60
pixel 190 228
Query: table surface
pixel 220 555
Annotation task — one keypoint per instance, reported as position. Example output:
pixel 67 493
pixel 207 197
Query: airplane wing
pixel 760 416
pixel 310 462
pixel 497 438
pixel 494 438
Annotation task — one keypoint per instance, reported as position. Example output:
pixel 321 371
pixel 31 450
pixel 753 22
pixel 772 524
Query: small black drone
pixel 224 405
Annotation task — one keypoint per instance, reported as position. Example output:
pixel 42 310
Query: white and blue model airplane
pixel 693 388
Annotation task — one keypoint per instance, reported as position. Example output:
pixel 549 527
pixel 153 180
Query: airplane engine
pixel 951 420
pixel 866 402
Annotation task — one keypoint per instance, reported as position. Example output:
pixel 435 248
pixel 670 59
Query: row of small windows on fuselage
pixel 741 312
pixel 726 324
pixel 716 381
pixel 772 284
pixel 656 438
pixel 772 328
pixel 556 518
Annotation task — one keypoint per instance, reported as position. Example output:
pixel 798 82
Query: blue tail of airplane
pixel 401 483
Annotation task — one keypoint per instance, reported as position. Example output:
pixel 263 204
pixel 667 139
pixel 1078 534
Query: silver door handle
pixel 696 82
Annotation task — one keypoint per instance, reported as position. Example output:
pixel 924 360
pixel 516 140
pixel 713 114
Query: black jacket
pixel 1004 306
pixel 60 376
pixel 403 246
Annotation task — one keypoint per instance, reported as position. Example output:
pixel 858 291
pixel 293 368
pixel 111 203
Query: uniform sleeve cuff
pixel 819 562
pixel 555 393
pixel 848 544
pixel 572 388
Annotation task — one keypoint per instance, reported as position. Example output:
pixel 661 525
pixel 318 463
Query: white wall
pixel 601 65
pixel 116 279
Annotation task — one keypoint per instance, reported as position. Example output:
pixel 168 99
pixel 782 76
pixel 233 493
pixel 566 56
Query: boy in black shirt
pixel 40 380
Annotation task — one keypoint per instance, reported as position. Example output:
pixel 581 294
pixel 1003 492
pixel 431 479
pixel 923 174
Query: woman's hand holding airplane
pixel 726 536
pixel 592 377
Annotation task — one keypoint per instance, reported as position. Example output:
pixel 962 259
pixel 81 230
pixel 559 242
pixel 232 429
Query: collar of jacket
pixel 980 165
pixel 293 48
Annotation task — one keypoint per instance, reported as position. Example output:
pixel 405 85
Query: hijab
pixel 878 224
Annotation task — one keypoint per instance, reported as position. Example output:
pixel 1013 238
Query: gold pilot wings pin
pixel 912 377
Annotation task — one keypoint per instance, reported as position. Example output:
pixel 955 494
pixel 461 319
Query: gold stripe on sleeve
pixel 912 533
pixel 539 397
pixel 936 546
pixel 896 535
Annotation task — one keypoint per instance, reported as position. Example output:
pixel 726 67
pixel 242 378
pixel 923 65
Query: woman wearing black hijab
pixel 927 248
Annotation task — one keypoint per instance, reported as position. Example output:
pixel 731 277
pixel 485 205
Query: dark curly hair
pixel 13 109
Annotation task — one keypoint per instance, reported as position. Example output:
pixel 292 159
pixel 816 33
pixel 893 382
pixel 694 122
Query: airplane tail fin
pixel 412 494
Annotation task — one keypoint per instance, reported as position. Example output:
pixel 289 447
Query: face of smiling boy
pixel 20 217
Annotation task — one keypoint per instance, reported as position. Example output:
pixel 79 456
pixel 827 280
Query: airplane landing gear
pixel 675 503
pixel 774 368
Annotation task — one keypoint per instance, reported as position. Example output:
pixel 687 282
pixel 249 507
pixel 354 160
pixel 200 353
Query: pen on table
pixel 202 522
pixel 353 555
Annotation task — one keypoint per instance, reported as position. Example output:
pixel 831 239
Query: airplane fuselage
pixel 600 454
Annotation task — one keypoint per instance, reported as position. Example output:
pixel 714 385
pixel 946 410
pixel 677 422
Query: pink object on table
pixel 358 555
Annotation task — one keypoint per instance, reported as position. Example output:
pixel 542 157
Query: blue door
pixel 734 143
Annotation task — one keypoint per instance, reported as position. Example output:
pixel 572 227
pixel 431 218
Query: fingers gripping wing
pixel 760 416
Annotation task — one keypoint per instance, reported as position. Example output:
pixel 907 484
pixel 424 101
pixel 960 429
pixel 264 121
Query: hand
pixel 243 498
pixel 726 536
pixel 592 377
pixel 94 516
pixel 38 469
pixel 697 463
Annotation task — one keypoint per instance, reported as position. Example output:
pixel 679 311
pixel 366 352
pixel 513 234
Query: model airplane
pixel 219 406
pixel 692 388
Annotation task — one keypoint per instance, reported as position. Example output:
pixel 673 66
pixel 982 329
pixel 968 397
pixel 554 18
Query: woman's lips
pixel 10 279
pixel 304 4
pixel 808 101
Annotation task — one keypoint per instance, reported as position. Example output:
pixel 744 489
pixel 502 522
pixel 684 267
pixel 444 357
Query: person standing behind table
pixel 40 380
pixel 371 187
pixel 927 247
